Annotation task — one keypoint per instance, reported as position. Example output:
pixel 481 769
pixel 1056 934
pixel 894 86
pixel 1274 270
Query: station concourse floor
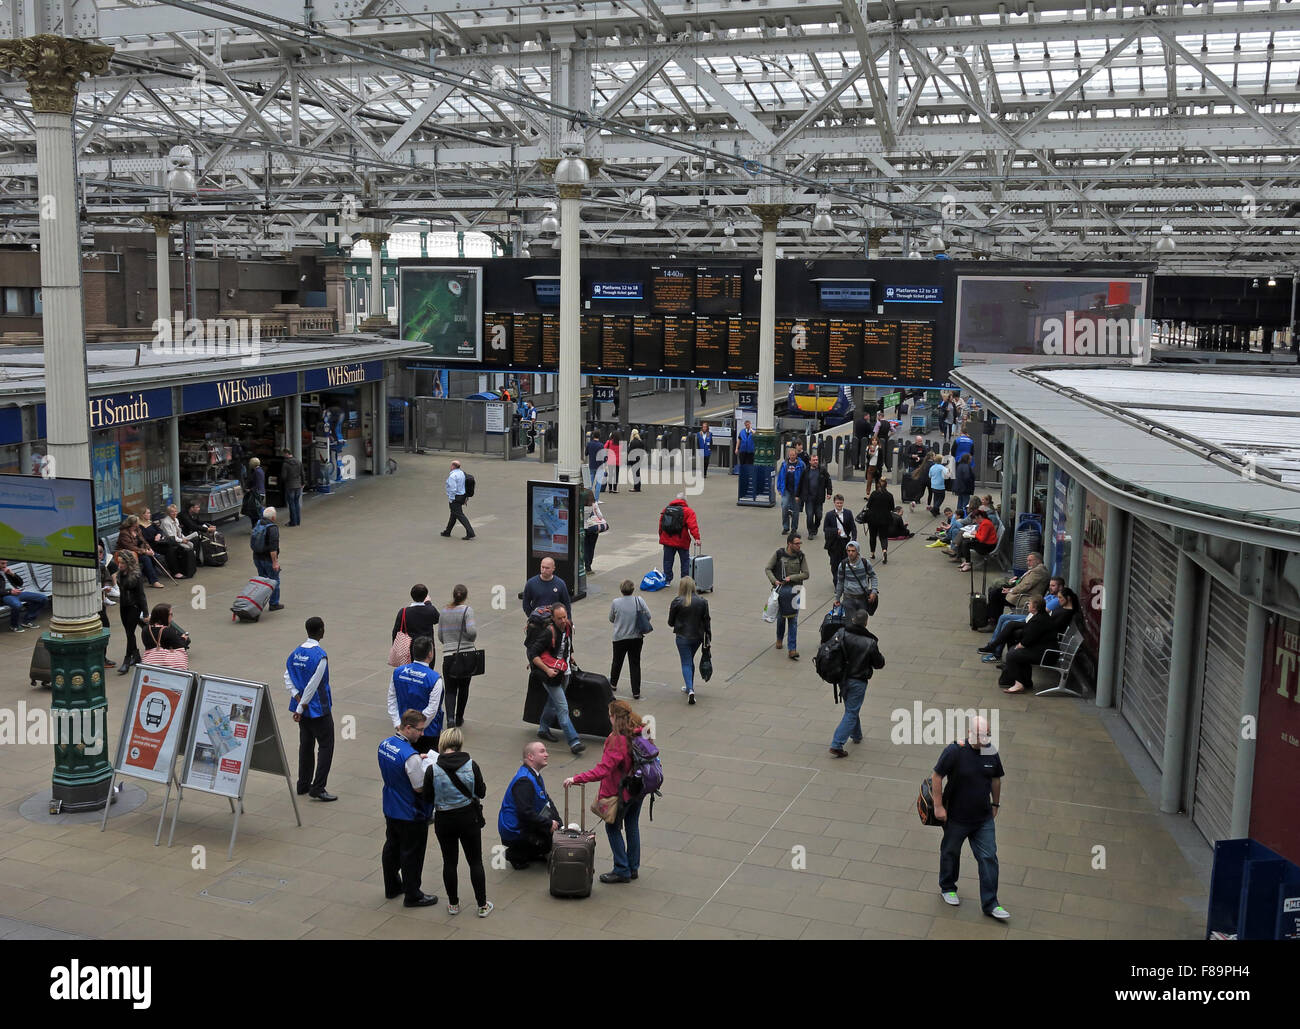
pixel 760 832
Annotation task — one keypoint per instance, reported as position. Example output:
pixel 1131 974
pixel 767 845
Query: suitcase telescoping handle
pixel 582 814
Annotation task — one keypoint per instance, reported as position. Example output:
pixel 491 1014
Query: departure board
pixel 589 340
pixel 786 338
pixel 647 343
pixel 679 345
pixel 810 360
pixel 710 346
pixel 550 341
pixel 879 349
pixel 742 346
pixel 915 351
pixel 496 338
pixel 843 349
pixel 717 289
pixel 616 343
pixel 672 290
pixel 526 341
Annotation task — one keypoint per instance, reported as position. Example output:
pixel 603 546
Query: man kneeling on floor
pixel 528 815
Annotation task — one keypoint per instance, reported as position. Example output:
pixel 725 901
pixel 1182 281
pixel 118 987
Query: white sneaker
pixel 1000 913
pixel 453 909
pixel 951 898
pixel 486 909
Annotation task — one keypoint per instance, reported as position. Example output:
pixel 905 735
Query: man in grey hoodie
pixel 856 586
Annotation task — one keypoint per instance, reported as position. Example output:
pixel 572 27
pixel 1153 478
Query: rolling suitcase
pixel 39 671
pixel 186 560
pixel 589 696
pixel 702 572
pixel 572 862
pixel 979 602
pixel 255 599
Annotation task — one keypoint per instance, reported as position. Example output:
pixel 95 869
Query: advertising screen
pixel 845 296
pixel 47 521
pixel 442 306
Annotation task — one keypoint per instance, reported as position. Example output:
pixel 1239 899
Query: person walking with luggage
pixel 132 605
pixel 688 616
pixel 406 813
pixel 265 542
pixel 549 653
pixel 416 686
pixel 456 498
pixel 857 587
pixel 789 482
pixel 528 817
pixel 974 772
pixel 817 487
pixel 631 618
pixel 455 783
pixel 880 517
pixel 861 657
pixel 838 531
pixel 545 588
pixel 614 766
pixel 787 571
pixel 307 677
pixel 457 633
pixel 291 483
pixel 677 527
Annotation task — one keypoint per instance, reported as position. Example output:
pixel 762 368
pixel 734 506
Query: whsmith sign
pixel 337 375
pixel 203 396
pixel 121 409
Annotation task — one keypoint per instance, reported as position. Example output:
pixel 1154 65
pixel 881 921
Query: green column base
pixel 79 716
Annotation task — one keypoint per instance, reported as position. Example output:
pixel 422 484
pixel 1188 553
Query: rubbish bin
pixel 1254 894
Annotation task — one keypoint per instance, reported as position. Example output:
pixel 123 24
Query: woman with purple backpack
pixel 620 811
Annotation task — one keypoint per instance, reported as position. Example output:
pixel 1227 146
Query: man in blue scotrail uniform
pixel 417 686
pixel 528 816
pixel 307 677
pixel 406 812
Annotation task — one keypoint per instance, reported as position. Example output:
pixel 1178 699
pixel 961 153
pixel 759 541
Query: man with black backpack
pixel 460 488
pixel 861 656
pixel 677 527
pixel 265 543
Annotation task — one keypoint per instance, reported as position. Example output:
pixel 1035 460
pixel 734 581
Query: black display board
pixel 809 361
pixel 843 349
pixel 550 341
pixel 647 344
pixel 526 340
pixel 710 346
pixel 616 343
pixel 742 347
pixel 915 350
pixel 589 340
pixel 783 350
pixel 497 331
pixel 679 345
pixel 672 290
pixel 718 289
pixel 879 349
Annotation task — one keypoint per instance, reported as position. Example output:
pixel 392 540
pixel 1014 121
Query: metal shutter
pixel 1216 752
pixel 1148 637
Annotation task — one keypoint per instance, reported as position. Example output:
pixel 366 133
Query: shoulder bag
pixel 162 657
pixel 463 664
pixel 706 659
pixel 474 802
pixel 400 652
pixel 643 626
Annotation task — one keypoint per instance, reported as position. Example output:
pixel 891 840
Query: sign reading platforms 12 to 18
pixel 442 306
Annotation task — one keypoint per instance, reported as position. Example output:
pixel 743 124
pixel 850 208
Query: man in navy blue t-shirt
pixel 974 772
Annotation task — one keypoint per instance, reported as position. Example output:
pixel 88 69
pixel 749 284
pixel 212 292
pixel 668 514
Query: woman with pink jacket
pixel 615 764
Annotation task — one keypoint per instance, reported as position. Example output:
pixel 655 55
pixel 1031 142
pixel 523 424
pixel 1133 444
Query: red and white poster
pixel 156 720
pixel 1273 820
pixel 218 751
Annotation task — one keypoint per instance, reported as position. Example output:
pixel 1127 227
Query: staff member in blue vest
pixel 307 677
pixel 528 816
pixel 745 444
pixel 418 686
pixel 706 445
pixel 406 813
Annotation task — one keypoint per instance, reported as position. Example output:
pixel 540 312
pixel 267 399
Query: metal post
pixel 1182 662
pixel 770 216
pixel 1024 477
pixel 295 425
pixel 378 317
pixel 568 387
pixel 174 457
pixel 1049 528
pixel 52 67
pixel 162 279
pixel 381 427
pixel 1077 526
pixel 1251 675
pixel 1110 651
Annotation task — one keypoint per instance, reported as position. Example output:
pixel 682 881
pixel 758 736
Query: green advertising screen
pixel 47 521
pixel 443 307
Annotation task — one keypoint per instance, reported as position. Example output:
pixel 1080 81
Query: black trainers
pixel 545 734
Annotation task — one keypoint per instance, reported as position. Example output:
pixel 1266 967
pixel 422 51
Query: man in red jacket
pixel 983 542
pixel 677 527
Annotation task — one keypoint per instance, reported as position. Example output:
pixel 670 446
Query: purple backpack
pixel 647 774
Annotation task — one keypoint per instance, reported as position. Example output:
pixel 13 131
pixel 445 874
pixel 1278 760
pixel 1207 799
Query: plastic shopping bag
pixel 772 608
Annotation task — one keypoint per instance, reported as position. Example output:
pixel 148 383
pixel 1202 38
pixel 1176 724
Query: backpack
pixel 469 485
pixel 647 774
pixel 257 541
pixel 672 520
pixel 538 622
pixel 832 662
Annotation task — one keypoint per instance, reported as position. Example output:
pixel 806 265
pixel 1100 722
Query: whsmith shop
pixel 166 426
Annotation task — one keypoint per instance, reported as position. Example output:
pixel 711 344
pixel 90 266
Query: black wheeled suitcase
pixel 39 671
pixel 589 696
pixel 832 623
pixel 212 550
pixel 572 862
pixel 979 602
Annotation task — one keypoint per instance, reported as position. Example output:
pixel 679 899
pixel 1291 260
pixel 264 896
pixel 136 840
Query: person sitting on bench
pixel 984 541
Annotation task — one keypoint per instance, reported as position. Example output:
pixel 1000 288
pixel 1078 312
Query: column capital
pixel 569 191
pixel 548 165
pixel 160 223
pixel 375 239
pixel 769 214
pixel 53 66
pixel 874 236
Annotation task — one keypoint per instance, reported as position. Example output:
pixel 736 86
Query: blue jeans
pixel 294 497
pixel 26 604
pixel 557 709
pixel 669 553
pixel 853 693
pixel 789 513
pixel 265 570
pixel 793 620
pixel 627 859
pixel 962 500
pixel 686 651
pixel 983 845
pixel 1003 622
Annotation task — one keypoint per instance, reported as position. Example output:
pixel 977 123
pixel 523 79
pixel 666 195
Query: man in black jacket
pixel 528 815
pixel 838 531
pixel 861 657
pixel 815 488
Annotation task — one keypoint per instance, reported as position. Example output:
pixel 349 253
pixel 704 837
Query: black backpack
pixel 832 662
pixel 672 520
pixel 469 485
pixel 539 621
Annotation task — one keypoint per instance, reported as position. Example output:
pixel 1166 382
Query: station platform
pixel 760 832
